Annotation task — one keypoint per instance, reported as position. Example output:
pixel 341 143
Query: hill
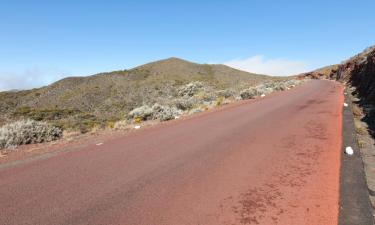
pixel 327 72
pixel 105 97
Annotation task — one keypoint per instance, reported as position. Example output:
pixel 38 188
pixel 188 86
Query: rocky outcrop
pixel 359 72
pixel 328 72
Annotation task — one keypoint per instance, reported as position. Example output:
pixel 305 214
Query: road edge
pixel 354 202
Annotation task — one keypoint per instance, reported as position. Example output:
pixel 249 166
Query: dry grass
pixel 359 128
pixel 357 111
pixel 70 134
pixel 361 144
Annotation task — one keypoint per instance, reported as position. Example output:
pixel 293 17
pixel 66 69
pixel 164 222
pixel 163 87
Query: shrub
pixel 164 113
pixel 357 112
pixel 190 89
pixel 292 83
pixel 144 112
pixel 279 87
pixel 185 103
pixel 268 88
pixel 110 124
pixel 225 93
pixel 359 128
pixel 195 110
pixel 157 111
pixel 27 132
pixel 120 125
pixel 137 119
pixel 249 93
pixel 264 89
pixel 219 101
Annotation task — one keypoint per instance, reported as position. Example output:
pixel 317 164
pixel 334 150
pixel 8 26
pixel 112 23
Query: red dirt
pixel 270 161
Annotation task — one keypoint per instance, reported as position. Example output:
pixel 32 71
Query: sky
pixel 44 41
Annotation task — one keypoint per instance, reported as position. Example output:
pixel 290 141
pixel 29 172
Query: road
pixel 267 161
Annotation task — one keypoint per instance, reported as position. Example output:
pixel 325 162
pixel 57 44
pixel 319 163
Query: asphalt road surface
pixel 267 161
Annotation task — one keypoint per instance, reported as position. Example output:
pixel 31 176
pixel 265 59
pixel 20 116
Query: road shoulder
pixel 355 207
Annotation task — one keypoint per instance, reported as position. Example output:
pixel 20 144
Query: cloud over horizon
pixel 275 67
pixel 28 79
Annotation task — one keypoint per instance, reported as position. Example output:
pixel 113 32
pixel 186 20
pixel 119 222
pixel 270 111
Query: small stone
pixel 349 150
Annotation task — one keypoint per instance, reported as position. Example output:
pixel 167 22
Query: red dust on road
pixel 269 161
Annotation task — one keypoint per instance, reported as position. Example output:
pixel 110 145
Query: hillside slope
pixel 326 72
pixel 110 96
pixel 357 71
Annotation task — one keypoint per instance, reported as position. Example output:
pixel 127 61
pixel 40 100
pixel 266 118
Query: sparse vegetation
pixel 27 132
pixel 120 125
pixel 360 129
pixel 361 144
pixel 190 89
pixel 144 112
pixel 137 120
pixel 268 88
pixel 357 112
pixel 164 113
pixel 111 96
pixel 161 91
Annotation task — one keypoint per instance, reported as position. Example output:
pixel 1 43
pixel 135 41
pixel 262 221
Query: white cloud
pixel 276 67
pixel 30 78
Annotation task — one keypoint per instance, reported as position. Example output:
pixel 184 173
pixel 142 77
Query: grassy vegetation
pixel 359 127
pixel 83 103
pixel 357 112
pixel 66 119
pixel 44 114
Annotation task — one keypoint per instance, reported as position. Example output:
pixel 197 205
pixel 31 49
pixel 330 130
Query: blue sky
pixel 42 41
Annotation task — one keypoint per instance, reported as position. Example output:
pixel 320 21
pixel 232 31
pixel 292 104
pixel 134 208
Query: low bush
pixel 144 112
pixel 157 111
pixel 185 103
pixel 219 101
pixel 120 125
pixel 27 132
pixel 190 89
pixel 164 113
pixel 195 110
pixel 137 120
pixel 268 88
pixel 357 112
pixel 249 93
pixel 225 93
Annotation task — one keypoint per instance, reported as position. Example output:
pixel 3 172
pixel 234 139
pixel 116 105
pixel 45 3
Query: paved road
pixel 269 161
